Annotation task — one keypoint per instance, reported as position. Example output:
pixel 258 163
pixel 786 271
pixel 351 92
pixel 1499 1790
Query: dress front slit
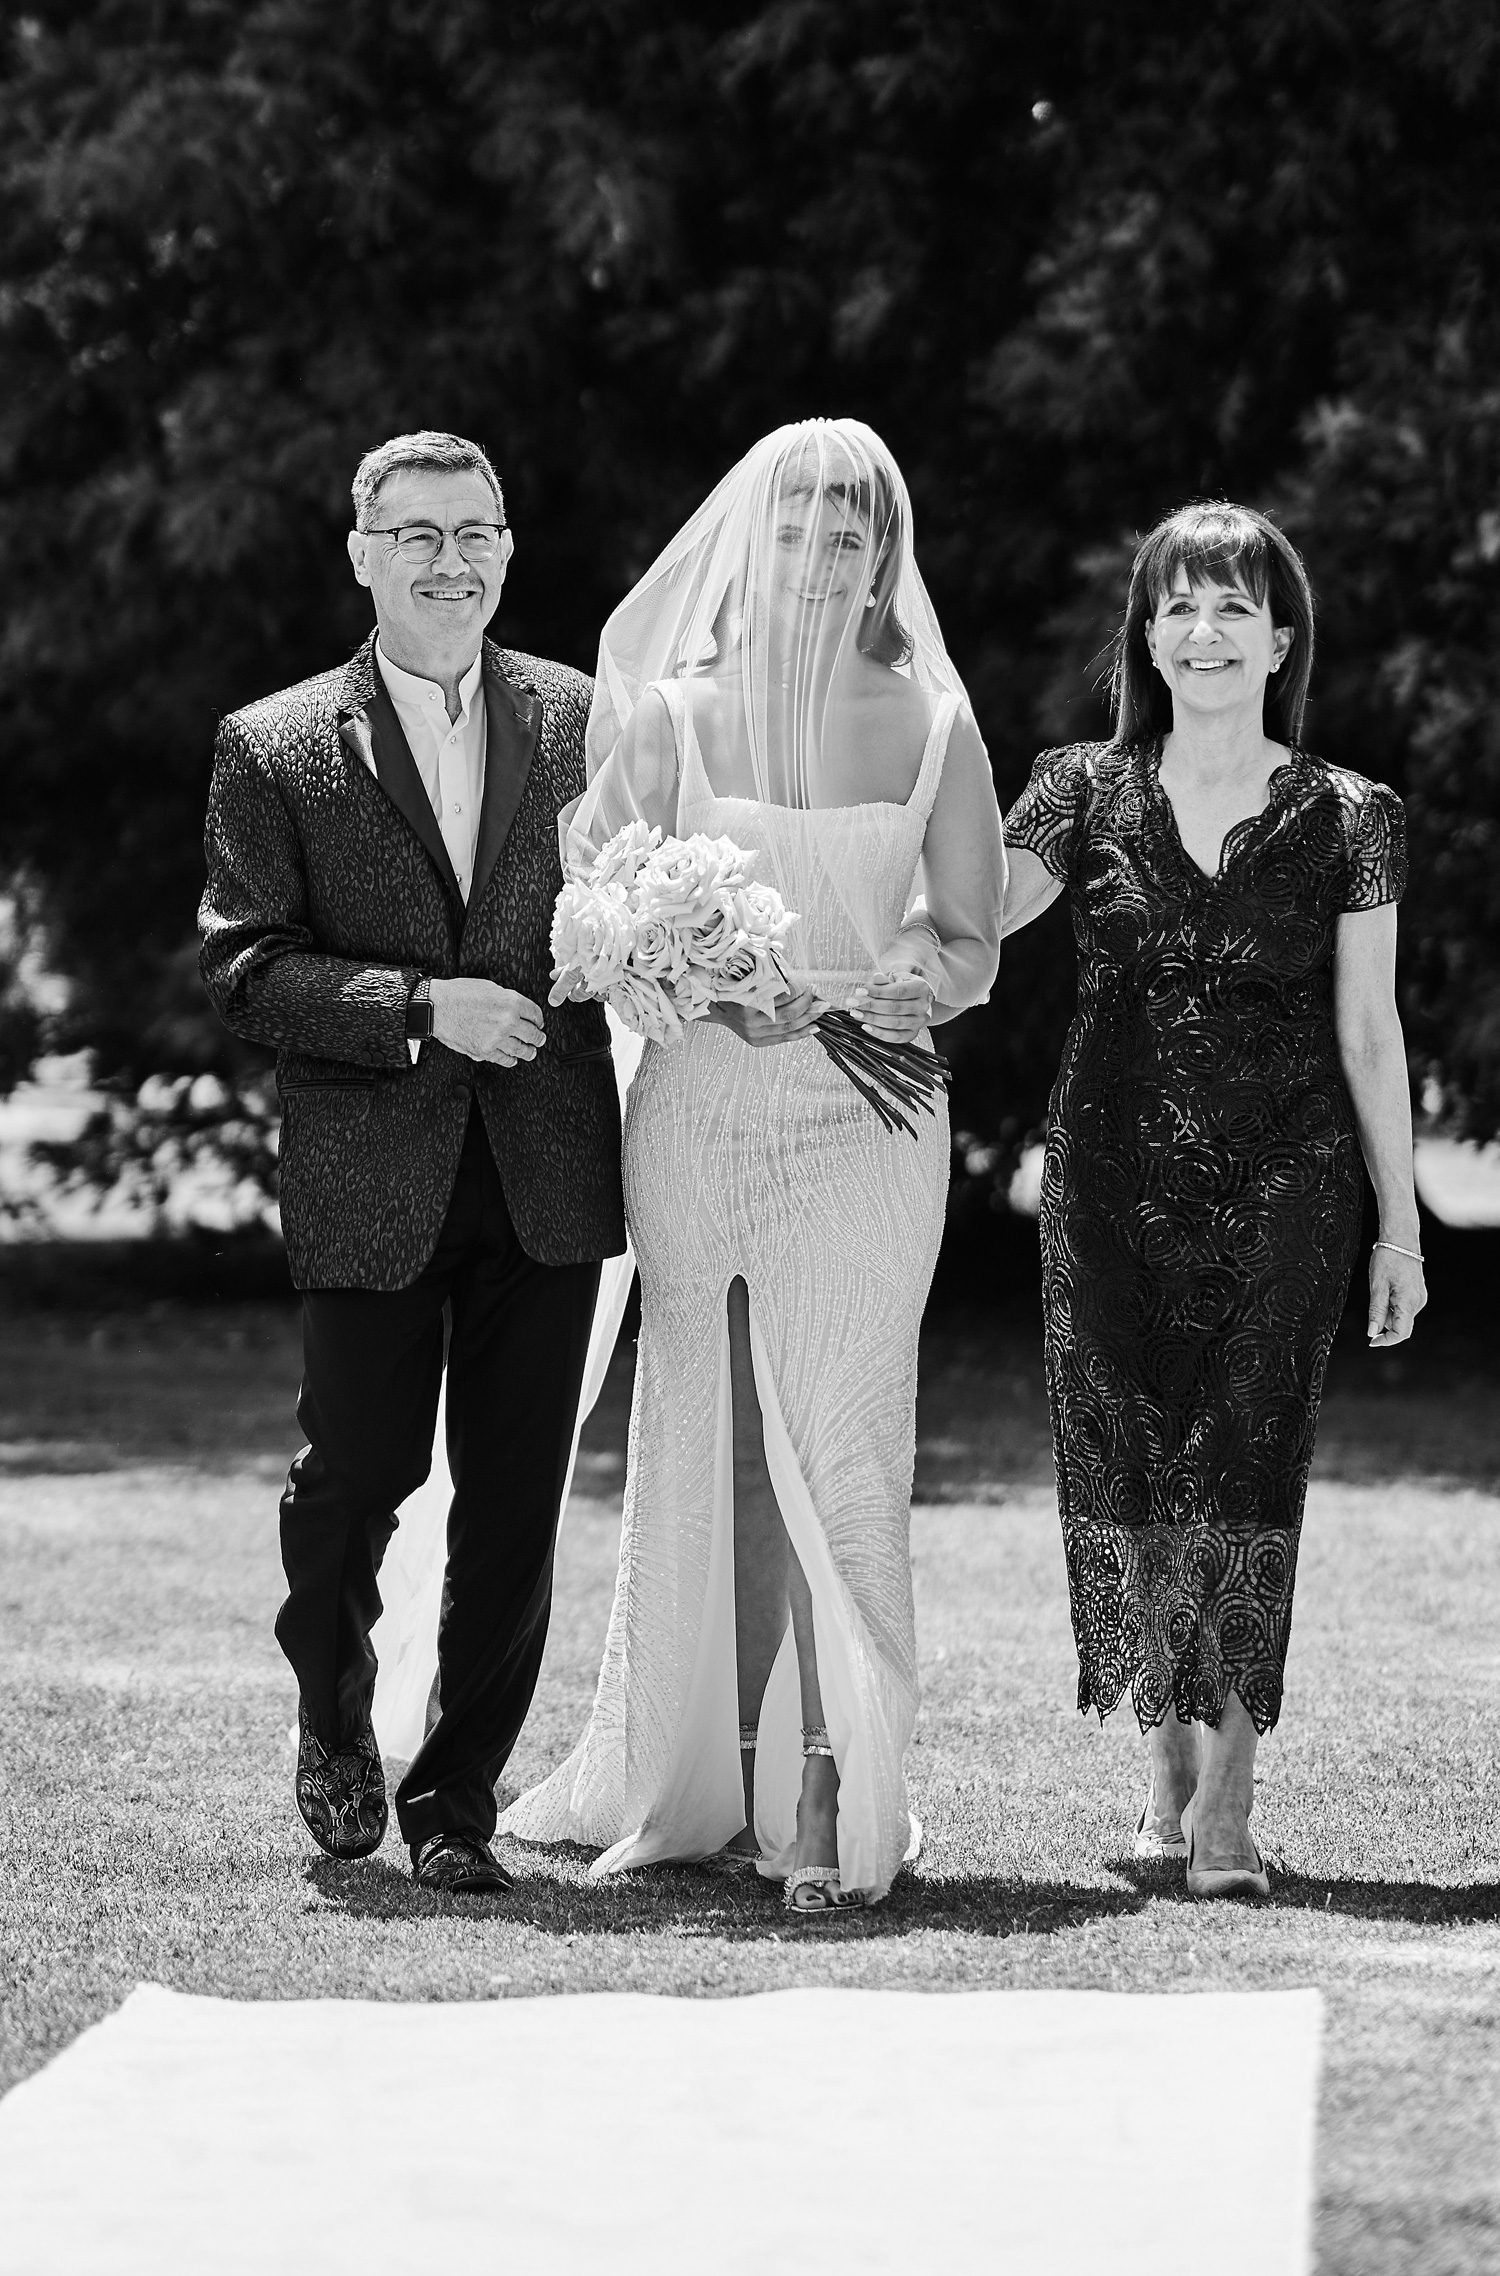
pixel 768 1165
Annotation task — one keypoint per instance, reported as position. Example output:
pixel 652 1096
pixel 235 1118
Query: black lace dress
pixel 1201 1207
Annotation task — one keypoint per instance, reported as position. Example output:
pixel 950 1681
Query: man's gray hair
pixel 449 454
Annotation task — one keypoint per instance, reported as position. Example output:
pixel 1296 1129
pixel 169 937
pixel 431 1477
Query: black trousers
pixel 372 1370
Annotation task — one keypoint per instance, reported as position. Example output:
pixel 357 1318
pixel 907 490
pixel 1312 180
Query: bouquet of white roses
pixel 662 929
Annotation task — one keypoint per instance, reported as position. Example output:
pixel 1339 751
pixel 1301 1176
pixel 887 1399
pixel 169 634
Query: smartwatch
pixel 419 1012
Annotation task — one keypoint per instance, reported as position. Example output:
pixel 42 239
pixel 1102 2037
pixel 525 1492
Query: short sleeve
pixel 1044 819
pixel 1377 856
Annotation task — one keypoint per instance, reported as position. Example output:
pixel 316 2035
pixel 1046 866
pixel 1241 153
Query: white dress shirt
pixel 449 754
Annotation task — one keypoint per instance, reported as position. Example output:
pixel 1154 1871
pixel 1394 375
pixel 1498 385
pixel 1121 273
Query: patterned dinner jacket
pixel 329 891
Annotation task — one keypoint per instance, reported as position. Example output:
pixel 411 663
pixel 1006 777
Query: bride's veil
pixel 799 558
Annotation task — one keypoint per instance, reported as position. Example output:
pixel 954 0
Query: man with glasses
pixel 382 866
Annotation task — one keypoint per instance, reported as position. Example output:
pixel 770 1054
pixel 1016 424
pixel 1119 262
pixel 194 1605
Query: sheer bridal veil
pixel 798 564
pixel 790 614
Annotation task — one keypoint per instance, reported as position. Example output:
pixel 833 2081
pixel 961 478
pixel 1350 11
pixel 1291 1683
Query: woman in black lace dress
pixel 1236 1047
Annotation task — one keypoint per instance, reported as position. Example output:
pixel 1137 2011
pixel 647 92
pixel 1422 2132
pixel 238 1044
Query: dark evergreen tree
pixel 1075 262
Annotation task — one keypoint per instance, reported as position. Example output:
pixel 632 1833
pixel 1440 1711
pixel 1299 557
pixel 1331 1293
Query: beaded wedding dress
pixel 769 1164
pixel 777 678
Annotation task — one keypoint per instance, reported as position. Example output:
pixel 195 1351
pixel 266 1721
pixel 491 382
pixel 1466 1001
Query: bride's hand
pixel 793 1018
pixel 895 1006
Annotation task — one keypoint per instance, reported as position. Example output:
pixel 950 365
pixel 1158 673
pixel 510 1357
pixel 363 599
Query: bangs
pixel 841 461
pixel 1216 545
pixel 851 494
pixel 852 497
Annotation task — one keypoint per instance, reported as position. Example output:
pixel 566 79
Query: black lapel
pixel 512 721
pixel 369 729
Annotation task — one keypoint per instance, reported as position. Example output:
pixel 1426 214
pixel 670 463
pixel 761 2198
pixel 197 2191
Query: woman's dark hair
pixel 1216 543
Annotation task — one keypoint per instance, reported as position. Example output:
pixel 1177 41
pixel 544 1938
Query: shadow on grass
pixel 692 1900
pixel 1425 1904
pixel 705 1900
pixel 1422 1904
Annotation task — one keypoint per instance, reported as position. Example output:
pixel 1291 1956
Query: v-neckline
pixel 1237 832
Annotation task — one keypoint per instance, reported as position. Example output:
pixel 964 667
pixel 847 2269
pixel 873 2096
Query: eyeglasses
pixel 419 541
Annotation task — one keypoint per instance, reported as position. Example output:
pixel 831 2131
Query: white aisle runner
pixel 812 2130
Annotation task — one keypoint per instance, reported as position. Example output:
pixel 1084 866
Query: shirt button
pixel 456 807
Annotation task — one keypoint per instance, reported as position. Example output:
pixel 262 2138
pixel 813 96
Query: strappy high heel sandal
pixel 825 1896
pixel 728 1859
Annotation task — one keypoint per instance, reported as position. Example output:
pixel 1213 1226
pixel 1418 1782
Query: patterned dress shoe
pixel 341 1796
pixel 459 1864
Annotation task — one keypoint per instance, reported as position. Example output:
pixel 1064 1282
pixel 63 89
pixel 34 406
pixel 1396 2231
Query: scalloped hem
pixel 1265 1718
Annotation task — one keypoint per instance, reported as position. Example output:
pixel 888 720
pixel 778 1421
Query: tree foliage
pixel 1076 262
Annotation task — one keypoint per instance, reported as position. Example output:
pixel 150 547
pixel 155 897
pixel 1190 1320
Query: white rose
pixel 619 861
pixel 645 1008
pixel 658 954
pixel 711 933
pixel 680 877
pixel 592 934
pixel 749 975
pixel 762 915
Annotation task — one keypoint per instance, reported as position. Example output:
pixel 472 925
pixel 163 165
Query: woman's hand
pixel 1398 1292
pixel 793 1018
pixel 895 1006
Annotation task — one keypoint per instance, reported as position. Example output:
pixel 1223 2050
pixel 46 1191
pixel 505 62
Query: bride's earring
pixel 869 600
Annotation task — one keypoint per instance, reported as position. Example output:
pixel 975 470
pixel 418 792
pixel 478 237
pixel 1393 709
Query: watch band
pixel 419 1012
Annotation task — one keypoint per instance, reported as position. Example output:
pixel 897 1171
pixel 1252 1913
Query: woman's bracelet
pixel 1397 1250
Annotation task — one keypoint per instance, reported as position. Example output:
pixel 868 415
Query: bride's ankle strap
pixel 815 1739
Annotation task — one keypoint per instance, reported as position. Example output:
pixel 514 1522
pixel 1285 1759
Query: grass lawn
pixel 149 1831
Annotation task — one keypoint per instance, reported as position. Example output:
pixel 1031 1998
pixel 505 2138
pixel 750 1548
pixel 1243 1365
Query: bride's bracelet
pixel 1397 1250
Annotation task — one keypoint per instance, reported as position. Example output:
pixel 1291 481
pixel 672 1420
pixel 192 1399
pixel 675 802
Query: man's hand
pixel 484 1021
pixel 793 1018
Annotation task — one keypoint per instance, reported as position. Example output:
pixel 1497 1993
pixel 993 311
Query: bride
pixel 778 677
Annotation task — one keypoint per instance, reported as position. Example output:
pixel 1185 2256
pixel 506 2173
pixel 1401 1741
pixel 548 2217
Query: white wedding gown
pixel 769 1164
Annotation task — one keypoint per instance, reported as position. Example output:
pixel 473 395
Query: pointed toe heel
pixel 1237 1881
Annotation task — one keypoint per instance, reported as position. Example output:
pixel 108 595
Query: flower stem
pixel 891 1076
